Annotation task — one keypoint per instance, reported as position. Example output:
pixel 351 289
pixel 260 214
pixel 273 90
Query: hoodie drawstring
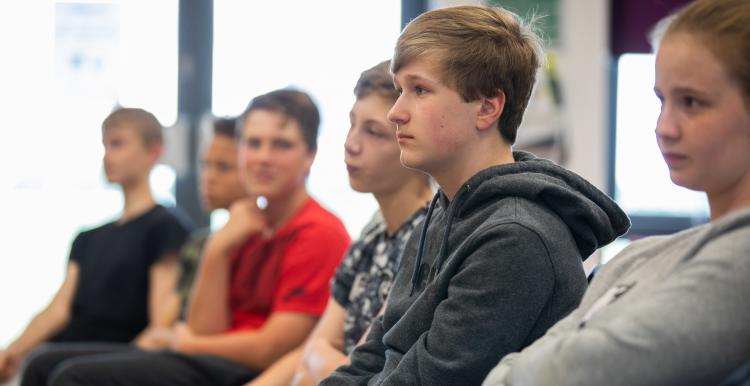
pixel 418 263
pixel 444 243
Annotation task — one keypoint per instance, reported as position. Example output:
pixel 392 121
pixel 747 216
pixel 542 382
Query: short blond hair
pixel 480 50
pixel 145 123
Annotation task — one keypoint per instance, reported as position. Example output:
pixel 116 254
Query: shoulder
pixel 731 233
pixel 88 233
pixel 314 218
pixel 169 216
pixel 519 217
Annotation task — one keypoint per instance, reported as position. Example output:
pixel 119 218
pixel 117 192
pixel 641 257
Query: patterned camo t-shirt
pixel 364 277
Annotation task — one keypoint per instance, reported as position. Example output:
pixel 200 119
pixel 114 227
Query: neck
pixel 398 206
pixel 730 200
pixel 465 166
pixel 138 199
pixel 281 209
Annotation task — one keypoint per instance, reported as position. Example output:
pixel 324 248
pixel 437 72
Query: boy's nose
pixel 397 114
pixel 351 145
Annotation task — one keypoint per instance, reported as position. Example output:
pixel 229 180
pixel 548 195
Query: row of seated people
pixel 484 285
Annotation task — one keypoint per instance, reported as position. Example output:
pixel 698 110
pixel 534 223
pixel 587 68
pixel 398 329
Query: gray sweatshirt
pixel 666 311
pixel 486 274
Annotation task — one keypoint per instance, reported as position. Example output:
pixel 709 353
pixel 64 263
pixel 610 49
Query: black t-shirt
pixel 111 299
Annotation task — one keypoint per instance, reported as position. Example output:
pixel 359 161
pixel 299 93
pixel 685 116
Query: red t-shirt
pixel 290 272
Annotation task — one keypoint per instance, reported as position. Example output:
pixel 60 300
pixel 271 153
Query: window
pixel 642 184
pixel 320 47
pixel 72 62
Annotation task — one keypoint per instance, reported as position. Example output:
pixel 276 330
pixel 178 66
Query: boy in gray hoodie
pixel 498 259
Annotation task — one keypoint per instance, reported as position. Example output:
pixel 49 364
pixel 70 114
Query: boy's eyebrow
pixel 375 121
pixel 413 77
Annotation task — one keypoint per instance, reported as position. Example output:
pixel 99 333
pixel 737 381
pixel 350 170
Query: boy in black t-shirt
pixel 121 273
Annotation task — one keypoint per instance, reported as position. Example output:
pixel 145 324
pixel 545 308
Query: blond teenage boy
pixel 121 274
pixel 498 259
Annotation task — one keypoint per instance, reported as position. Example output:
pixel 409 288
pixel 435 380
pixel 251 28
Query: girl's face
pixel 703 130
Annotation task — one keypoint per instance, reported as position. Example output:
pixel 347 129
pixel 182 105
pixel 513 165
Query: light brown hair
pixel 480 51
pixel 723 26
pixel 145 123
pixel 376 80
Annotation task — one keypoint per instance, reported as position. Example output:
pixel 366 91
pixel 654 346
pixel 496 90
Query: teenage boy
pixel 220 186
pixel 263 280
pixel 362 281
pixel 120 273
pixel 497 260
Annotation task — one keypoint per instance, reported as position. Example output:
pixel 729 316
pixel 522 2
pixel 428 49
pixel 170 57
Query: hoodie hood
pixel 593 218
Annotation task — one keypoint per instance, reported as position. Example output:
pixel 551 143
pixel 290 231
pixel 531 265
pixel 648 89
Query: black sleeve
pixel 77 253
pixel 168 235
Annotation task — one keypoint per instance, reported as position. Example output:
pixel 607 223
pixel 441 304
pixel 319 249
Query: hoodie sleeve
pixel 691 329
pixel 493 300
pixel 366 360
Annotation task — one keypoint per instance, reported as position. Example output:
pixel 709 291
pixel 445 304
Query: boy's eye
pixel 252 143
pixel 399 90
pixel 419 90
pixel 282 144
pixel 690 102
pixel 223 167
pixel 372 131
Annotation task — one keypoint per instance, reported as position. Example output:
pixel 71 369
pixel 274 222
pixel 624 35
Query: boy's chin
pixel 414 164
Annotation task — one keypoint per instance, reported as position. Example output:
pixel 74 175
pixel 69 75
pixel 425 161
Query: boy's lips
pixel 351 168
pixel 674 159
pixel 403 137
pixel 263 176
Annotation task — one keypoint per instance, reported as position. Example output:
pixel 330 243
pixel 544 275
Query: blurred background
pixel 65 65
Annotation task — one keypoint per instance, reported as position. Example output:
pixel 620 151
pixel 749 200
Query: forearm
pixel 320 371
pixel 366 360
pixel 208 311
pixel 281 372
pixel 250 349
pixel 43 326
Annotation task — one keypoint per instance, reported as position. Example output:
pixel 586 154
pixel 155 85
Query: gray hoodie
pixel 665 311
pixel 485 274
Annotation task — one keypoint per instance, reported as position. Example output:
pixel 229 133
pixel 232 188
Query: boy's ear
pixel 490 110
pixel 310 159
pixel 155 151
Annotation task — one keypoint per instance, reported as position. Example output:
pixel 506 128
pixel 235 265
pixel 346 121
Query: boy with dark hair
pixel 362 281
pixel 497 260
pixel 263 280
pixel 120 273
